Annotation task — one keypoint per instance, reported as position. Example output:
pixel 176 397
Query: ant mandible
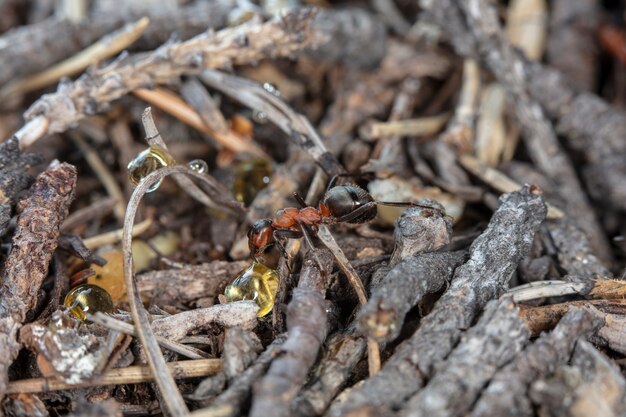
pixel 341 204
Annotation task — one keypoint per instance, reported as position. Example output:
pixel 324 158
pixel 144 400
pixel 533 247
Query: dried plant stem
pixel 409 127
pixel 115 236
pixel 103 173
pixel 500 181
pixel 219 194
pixel 171 396
pixel 106 47
pixel 541 289
pixel 373 349
pixel 119 376
pixel 177 107
pixel 127 328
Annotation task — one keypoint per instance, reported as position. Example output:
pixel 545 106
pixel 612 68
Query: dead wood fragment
pixel 73 355
pixel 35 47
pixel 592 385
pixel 40 217
pixel 572 45
pixel 344 350
pixel 507 393
pixel 241 348
pixel 231 402
pixel 14 164
pixel 94 90
pixel 359 38
pixel 497 337
pixel 493 258
pixel 403 288
pixel 420 230
pixel 307 327
pixel 179 325
pixel 182 286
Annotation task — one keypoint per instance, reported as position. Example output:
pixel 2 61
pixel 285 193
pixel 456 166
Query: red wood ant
pixel 341 204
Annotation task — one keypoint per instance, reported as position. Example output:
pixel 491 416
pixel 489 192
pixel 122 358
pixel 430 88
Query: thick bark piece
pixel 497 337
pixel 307 327
pixel 494 256
pixel 34 242
pixel 507 393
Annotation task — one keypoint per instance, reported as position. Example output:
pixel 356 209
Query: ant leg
pixel 308 240
pixel 335 177
pixel 299 199
pixel 356 213
pixel 280 235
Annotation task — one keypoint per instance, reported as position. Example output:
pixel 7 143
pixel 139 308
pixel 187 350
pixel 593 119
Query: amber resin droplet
pixel 88 298
pixel 257 282
pixel 146 162
pixel 250 178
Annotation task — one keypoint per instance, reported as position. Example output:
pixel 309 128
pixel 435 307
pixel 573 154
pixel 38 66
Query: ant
pixel 341 204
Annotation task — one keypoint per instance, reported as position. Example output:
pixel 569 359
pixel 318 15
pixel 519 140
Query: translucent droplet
pixel 199 166
pixel 146 162
pixel 88 298
pixel 257 282
pixel 250 178
pixel 272 89
pixel 260 117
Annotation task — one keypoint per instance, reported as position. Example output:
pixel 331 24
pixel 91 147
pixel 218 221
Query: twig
pixel 423 126
pixel 498 337
pixel 120 376
pixel 93 91
pixel 108 46
pixel 494 256
pixel 507 392
pixel 127 328
pixel 34 242
pixel 177 326
pixel 373 350
pixel 307 327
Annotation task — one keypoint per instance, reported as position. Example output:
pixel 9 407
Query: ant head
pixel 343 200
pixel 260 236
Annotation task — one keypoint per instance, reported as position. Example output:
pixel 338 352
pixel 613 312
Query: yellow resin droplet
pixel 250 178
pixel 257 282
pixel 110 277
pixel 88 298
pixel 146 162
